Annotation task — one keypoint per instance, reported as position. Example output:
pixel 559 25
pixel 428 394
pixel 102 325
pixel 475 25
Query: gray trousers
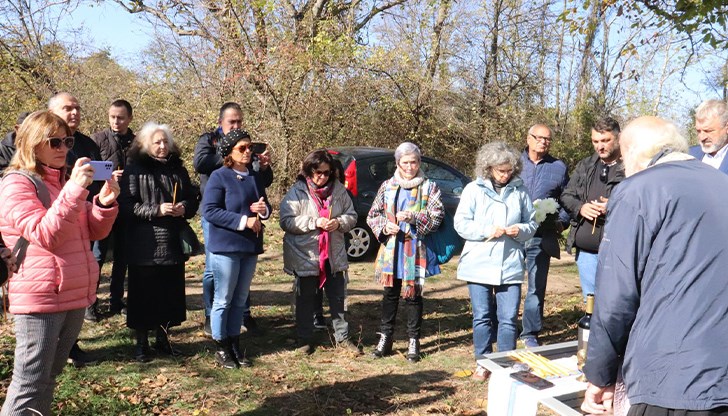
pixel 307 303
pixel 43 342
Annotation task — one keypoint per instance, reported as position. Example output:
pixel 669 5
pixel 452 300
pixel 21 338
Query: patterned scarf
pixel 405 251
pixel 322 198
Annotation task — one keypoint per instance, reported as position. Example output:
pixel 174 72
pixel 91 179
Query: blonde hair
pixel 34 131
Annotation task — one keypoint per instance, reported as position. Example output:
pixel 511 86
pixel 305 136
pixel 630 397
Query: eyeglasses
pixel 55 142
pixel 322 172
pixel 503 172
pixel 243 148
pixel 540 138
pixel 603 175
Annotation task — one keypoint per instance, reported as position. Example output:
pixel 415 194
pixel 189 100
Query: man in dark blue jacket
pixel 544 177
pixel 711 124
pixel 661 298
pixel 206 160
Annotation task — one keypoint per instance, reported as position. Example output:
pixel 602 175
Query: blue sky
pixel 108 26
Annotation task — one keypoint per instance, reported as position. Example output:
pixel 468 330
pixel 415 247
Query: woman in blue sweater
pixel 234 204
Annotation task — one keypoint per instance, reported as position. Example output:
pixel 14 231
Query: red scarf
pixel 322 198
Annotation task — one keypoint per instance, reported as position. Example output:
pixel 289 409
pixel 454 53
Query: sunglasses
pixel 55 142
pixel 322 172
pixel 243 148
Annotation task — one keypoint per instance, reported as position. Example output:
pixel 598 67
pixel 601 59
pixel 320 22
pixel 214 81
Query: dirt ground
pixel 283 382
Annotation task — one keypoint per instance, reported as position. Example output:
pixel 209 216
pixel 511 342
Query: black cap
pixel 225 145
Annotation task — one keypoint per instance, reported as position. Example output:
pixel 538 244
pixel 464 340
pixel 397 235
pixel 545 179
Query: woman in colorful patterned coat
pixel 406 208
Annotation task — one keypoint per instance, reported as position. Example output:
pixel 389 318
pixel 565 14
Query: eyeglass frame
pixel 540 138
pixel 56 142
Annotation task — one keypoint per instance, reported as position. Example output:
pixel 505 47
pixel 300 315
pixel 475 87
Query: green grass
pixel 282 381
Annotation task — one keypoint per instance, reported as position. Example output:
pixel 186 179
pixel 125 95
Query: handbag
pixel 191 246
pixel 445 241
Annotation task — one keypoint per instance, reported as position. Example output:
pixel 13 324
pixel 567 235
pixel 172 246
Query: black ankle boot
pixel 224 354
pixel 384 347
pixel 162 344
pixel 413 350
pixel 141 350
pixel 239 355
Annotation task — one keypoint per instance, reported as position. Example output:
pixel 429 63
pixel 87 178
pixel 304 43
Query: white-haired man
pixel 662 301
pixel 711 124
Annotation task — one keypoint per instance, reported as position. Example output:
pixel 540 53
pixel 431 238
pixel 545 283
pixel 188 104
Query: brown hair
pixel 227 161
pixel 34 131
pixel 314 159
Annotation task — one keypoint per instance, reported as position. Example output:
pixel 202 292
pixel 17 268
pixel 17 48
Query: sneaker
pixel 91 314
pixel 79 358
pixel 480 374
pixel 384 347
pixel 348 345
pixel 530 342
pixel 413 350
pixel 208 327
pixel 319 322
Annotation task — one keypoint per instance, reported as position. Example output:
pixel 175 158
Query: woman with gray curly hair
pixel 406 209
pixel 495 217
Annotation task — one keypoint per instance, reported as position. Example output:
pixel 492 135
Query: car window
pixel 382 170
pixel 445 178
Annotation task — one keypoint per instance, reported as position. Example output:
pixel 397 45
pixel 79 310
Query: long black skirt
pixel 156 296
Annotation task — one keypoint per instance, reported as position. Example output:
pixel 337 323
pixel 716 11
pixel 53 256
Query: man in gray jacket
pixel 662 298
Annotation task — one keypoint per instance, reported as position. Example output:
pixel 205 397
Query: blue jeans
pixel 537 263
pixel 232 273
pixel 208 283
pixel 587 265
pixel 507 299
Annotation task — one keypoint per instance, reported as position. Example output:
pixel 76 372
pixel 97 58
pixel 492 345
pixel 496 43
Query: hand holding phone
pixel 103 169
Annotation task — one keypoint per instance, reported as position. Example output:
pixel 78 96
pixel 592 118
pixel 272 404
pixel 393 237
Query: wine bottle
pixel 585 323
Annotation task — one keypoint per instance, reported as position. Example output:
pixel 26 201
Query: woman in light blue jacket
pixel 495 217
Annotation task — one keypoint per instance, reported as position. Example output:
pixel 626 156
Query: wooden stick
pixel 594 226
pixel 548 363
pixel 174 195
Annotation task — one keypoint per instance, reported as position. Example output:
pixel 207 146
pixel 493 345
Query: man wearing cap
pixel 206 160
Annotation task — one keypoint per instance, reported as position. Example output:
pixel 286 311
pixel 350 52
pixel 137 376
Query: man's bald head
pixel 645 137
pixel 66 106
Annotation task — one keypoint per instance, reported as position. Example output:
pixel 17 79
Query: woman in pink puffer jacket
pixel 57 279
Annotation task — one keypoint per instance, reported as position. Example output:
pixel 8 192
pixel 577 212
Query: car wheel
pixel 360 243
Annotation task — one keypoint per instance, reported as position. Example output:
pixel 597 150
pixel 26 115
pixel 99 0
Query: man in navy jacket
pixel 545 177
pixel 206 160
pixel 661 298
pixel 711 123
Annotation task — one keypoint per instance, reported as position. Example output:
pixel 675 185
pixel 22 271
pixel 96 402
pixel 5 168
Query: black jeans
pixel 308 302
pixel 390 304
pixel 118 269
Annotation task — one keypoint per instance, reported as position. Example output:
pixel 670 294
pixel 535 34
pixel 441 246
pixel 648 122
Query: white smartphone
pixel 102 169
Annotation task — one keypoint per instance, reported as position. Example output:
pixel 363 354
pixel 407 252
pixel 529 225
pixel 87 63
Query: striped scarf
pixel 404 252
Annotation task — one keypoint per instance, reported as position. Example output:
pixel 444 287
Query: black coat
pixel 114 146
pixel 575 194
pixel 7 150
pixel 147 183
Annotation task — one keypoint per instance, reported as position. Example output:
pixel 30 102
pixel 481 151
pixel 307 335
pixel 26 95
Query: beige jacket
pixel 298 216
